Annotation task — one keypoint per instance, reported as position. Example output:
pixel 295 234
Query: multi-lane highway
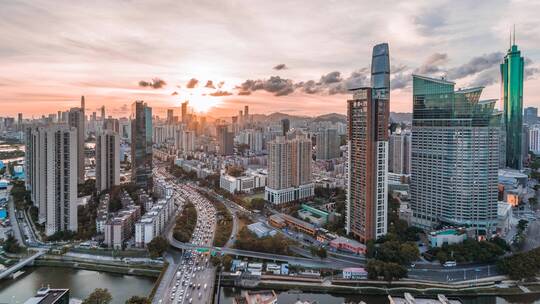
pixel 191 277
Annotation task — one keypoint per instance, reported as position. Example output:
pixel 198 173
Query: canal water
pixel 228 294
pixel 80 283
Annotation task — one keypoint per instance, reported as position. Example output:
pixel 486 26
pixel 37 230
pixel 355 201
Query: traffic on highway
pixel 194 278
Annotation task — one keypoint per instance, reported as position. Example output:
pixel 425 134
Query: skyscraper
pixel 170 116
pixel 184 112
pixel 225 140
pixel 327 144
pixel 51 162
pixel 530 115
pixel 367 114
pixel 103 113
pixel 285 126
pixel 141 144
pixel 76 120
pixel 399 153
pixel 107 160
pixel 512 96
pixel 455 154
pixel 289 170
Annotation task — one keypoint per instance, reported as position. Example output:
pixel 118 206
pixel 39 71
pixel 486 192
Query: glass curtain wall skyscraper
pixel 512 95
pixel 367 114
pixel 455 155
pixel 141 144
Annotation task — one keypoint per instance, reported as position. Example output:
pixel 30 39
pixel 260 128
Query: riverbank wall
pixel 397 288
pixel 100 265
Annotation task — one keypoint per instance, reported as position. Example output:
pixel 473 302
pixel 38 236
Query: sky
pixel 296 57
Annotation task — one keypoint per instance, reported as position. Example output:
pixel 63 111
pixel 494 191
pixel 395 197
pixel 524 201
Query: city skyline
pixel 281 67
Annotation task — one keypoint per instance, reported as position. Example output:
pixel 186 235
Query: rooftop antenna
pixel 514 34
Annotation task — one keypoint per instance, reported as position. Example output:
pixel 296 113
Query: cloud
pixel 174 93
pixel 220 84
pixel 432 64
pixel 400 81
pixel 192 83
pixel 244 93
pixel 220 93
pixel 331 77
pixel 476 65
pixel 155 83
pixel 210 84
pixel 280 66
pixel 275 84
pixel 486 78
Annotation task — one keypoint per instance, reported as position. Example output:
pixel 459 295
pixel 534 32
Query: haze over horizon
pixel 221 56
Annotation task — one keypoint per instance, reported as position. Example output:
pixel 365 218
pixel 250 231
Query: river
pixel 228 294
pixel 80 283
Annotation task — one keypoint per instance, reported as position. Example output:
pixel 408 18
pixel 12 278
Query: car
pixel 450 264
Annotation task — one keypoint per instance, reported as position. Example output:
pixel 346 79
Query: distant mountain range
pixel 332 117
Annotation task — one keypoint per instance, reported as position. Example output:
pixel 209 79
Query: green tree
pixel 138 300
pixel 157 246
pixel 11 245
pixel 321 253
pixel 98 296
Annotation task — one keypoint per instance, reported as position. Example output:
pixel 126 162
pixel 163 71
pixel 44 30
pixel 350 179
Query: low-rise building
pixel 46 295
pixel 248 182
pixel 256 297
pixel 348 245
pixel 315 216
pixel 354 273
pixel 153 222
pixel 447 236
pixel 261 230
pixel 120 227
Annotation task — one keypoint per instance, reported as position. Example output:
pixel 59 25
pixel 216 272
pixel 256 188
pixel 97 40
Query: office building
pixel 289 170
pixel 327 144
pixel 455 154
pixel 530 115
pixel 285 126
pixel 225 140
pixel 185 112
pixel 107 160
pixel 141 144
pixel 399 153
pixel 368 113
pixel 76 120
pixel 51 162
pixel 534 139
pixel 170 116
pixel 512 96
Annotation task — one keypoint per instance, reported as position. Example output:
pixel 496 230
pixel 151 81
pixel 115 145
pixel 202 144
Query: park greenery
pixel 319 252
pixel 224 224
pixel 246 240
pixel 86 188
pixel 11 245
pixel 235 171
pixel 521 266
pixel 388 255
pixel 138 300
pixel 338 197
pixel 388 271
pixel 471 251
pixel 519 238
pixel 185 223
pixel 98 296
pixel 157 246
pixel 21 196
pixel 224 261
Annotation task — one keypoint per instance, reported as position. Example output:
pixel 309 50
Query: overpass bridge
pixel 306 262
pixel 16 267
